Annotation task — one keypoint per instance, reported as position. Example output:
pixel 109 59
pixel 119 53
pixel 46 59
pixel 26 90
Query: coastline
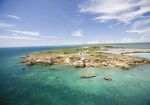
pixel 84 57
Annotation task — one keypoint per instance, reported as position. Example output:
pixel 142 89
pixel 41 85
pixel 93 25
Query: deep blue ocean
pixel 64 86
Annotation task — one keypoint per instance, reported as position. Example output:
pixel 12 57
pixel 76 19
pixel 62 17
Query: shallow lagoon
pixel 142 55
pixel 64 86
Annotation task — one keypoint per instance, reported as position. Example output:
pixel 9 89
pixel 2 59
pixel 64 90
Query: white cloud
pixel 15 34
pixel 24 37
pixel 48 37
pixel 145 31
pixel 121 10
pixel 127 40
pixel 131 40
pixel 141 27
pixel 26 32
pixel 14 17
pixel 93 42
pixel 114 25
pixel 124 11
pixel 111 41
pixel 77 33
pixel 141 23
pixel 5 25
pixel 142 38
pixel 17 37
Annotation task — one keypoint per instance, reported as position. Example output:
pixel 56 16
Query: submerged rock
pixel 125 67
pixel 52 68
pixel 107 78
pixel 23 69
pixel 88 76
pixel 31 75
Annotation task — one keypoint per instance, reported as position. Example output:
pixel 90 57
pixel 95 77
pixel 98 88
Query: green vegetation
pixel 108 46
pixel 88 52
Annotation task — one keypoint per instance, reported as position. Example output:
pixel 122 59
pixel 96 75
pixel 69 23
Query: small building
pixel 81 53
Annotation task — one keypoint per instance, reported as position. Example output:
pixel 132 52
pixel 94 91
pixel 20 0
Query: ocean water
pixel 38 85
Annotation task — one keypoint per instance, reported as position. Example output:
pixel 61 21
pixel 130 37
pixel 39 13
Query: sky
pixel 73 22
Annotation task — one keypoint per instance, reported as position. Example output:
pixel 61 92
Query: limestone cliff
pixel 84 62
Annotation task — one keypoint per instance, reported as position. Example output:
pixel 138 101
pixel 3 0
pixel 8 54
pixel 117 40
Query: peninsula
pixel 91 56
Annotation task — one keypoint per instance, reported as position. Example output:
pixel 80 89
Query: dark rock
pixel 52 69
pixel 107 78
pixel 125 67
pixel 23 69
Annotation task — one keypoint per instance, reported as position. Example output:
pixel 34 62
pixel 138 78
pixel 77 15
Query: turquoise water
pixel 64 86
pixel 132 45
pixel 142 55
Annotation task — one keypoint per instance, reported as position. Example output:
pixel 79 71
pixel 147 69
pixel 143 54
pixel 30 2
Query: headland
pixel 91 56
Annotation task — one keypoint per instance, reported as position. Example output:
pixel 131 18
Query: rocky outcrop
pixel 30 63
pixel 48 61
pixel 38 61
pixel 80 62
pixel 107 78
pixel 26 56
pixel 88 76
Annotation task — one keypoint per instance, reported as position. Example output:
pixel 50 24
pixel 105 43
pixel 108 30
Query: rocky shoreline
pixel 81 62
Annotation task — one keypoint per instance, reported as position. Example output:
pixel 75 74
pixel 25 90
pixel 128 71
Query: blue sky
pixel 69 22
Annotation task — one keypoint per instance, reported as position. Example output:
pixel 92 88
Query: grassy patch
pixel 90 52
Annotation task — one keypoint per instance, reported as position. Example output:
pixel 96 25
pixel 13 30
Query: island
pixel 91 56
